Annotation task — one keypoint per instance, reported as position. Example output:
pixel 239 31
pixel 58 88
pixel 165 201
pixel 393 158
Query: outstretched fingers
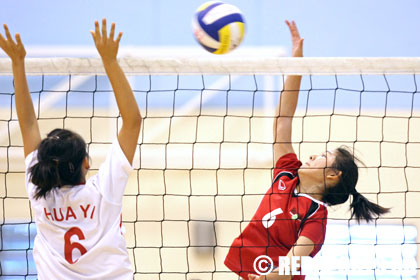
pixel 100 33
pixel 93 35
pixel 105 43
pixel 119 37
pixel 2 40
pixel 293 29
pixel 15 50
pixel 104 29
pixel 97 34
pixel 18 39
pixel 297 41
pixel 8 40
pixel 6 30
pixel 112 32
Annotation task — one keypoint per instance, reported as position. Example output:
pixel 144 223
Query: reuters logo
pixel 263 265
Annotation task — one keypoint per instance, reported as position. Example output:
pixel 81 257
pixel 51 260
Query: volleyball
pixel 218 27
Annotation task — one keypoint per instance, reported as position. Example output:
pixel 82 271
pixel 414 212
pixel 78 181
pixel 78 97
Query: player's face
pixel 321 161
pixel 316 169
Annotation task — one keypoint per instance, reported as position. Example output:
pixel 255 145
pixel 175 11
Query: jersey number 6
pixel 269 218
pixel 69 246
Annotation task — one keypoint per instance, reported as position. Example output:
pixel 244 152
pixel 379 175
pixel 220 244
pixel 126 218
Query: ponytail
pixel 60 157
pixel 362 208
pixel 46 176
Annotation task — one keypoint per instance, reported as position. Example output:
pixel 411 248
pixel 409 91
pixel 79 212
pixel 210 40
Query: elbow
pixel 282 130
pixel 134 121
pixel 137 119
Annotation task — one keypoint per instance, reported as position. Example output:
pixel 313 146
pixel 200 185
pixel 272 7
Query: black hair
pixel 360 206
pixel 60 157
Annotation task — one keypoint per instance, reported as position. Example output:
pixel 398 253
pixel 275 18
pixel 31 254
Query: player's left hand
pixel 106 45
pixel 297 41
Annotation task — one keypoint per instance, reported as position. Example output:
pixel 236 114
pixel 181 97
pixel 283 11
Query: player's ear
pixel 334 176
pixel 86 163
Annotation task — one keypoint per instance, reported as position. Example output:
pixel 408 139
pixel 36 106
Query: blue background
pixel 330 27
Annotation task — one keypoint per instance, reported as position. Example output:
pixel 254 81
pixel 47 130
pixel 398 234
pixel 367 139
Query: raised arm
pixel 131 118
pixel 24 107
pixel 282 127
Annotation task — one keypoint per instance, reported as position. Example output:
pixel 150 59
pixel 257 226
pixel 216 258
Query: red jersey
pixel 282 216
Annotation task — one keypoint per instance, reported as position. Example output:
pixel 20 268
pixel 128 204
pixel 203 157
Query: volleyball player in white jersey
pixel 78 221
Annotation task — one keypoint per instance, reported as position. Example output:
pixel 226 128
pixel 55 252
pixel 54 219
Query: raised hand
pixel 16 51
pixel 24 107
pixel 130 114
pixel 297 41
pixel 107 46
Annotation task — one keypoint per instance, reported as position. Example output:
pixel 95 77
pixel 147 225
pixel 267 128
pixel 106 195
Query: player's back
pixel 79 227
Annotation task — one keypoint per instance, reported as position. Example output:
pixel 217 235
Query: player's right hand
pixel 106 45
pixel 16 51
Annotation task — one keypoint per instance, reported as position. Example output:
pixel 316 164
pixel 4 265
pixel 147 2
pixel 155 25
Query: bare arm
pixel 282 127
pixel 108 49
pixel 303 247
pixel 24 107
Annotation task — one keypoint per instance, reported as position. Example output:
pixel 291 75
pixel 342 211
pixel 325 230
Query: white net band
pixel 222 65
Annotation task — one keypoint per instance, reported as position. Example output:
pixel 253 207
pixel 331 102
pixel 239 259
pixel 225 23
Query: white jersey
pixel 79 227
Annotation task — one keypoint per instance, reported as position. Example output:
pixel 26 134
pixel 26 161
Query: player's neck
pixel 310 188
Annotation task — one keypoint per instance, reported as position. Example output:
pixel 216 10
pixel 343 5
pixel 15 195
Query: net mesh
pixel 205 160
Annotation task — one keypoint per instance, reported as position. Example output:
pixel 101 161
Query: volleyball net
pixel 205 156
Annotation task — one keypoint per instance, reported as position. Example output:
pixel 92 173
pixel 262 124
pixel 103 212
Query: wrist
pixel 17 62
pixel 109 61
pixel 297 54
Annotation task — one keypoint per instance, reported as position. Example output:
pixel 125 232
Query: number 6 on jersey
pixel 69 246
pixel 269 218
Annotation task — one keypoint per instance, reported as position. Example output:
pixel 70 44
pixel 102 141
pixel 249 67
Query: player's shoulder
pixel 284 180
pixel 285 171
pixel 93 182
pixel 31 159
pixel 288 157
pixel 288 162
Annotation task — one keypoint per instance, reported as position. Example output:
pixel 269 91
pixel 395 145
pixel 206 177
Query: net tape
pixel 222 65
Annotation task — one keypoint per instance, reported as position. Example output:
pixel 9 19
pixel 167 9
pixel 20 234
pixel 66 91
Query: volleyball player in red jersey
pixel 292 217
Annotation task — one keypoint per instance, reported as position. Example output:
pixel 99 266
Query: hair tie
pixel 71 167
pixel 55 161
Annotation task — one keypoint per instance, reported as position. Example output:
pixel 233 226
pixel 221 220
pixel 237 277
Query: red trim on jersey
pixel 276 224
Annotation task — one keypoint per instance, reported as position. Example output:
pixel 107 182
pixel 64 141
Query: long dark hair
pixel 360 206
pixel 60 158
